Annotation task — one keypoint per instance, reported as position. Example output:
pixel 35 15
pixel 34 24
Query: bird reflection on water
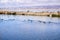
pixel 17 28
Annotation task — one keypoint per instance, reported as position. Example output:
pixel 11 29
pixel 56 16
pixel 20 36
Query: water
pixel 16 27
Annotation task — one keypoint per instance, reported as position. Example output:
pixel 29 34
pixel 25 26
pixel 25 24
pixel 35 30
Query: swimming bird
pixel 39 21
pixel 43 21
pixel 30 20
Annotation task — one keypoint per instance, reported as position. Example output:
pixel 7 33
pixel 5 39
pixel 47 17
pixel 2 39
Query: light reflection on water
pixel 29 28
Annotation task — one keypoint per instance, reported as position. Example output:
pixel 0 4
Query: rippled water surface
pixel 16 27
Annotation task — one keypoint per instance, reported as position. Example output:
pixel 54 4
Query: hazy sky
pixel 29 2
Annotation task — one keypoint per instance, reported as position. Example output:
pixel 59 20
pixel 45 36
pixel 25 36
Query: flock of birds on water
pixel 31 21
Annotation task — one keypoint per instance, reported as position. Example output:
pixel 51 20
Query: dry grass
pixel 54 14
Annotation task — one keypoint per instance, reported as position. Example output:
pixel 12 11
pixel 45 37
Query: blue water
pixel 16 27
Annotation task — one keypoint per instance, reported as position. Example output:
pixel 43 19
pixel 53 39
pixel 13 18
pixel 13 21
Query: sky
pixel 28 2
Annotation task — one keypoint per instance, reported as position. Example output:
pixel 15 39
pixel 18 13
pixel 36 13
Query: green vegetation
pixel 1 13
pixel 14 13
pixel 53 15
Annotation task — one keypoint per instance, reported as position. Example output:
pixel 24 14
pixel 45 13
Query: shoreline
pixel 49 14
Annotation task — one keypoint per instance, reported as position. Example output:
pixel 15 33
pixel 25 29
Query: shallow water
pixel 16 27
